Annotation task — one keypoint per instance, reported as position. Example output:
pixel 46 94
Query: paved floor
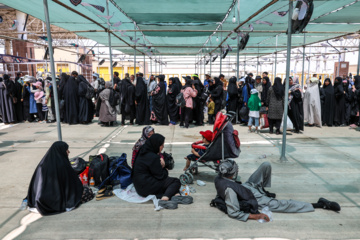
pixel 322 163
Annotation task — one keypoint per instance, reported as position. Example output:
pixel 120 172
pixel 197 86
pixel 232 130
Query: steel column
pixel 358 66
pixel 303 66
pixel 52 66
pixel 283 148
pixel 275 58
pixel 110 52
pixel 135 55
pixel 237 60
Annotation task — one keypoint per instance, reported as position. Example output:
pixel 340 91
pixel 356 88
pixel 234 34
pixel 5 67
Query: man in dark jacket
pixel 253 195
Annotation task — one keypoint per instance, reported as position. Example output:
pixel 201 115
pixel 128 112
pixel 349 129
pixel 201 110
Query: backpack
pixel 101 84
pixel 180 100
pixel 90 92
pixel 169 160
pixel 78 164
pixel 114 98
pixel 119 172
pixel 219 203
pixel 99 169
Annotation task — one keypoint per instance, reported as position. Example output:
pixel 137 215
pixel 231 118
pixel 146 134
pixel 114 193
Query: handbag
pixel 244 113
pixel 263 110
pixel 62 104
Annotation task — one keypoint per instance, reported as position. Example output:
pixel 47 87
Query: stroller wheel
pixel 184 179
pixel 191 178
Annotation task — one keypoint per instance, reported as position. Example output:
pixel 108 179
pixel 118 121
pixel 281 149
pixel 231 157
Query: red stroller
pixel 225 144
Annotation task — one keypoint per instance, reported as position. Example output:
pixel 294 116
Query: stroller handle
pixel 196 146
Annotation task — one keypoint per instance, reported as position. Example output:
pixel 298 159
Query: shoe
pixel 102 190
pixel 168 204
pixel 257 131
pixel 182 199
pixel 278 132
pixel 330 205
pixel 249 131
pixel 105 195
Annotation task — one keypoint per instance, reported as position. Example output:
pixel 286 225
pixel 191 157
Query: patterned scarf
pixel 144 137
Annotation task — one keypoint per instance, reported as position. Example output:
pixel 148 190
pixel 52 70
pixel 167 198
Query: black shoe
pixel 330 205
pixel 278 132
pixel 105 195
pixel 271 131
pixel 168 204
pixel 182 199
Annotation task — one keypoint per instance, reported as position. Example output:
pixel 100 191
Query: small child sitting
pixel 254 105
pixel 211 110
pixel 196 153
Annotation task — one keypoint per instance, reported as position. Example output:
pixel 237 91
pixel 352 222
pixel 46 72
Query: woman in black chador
pixel 159 111
pixel 173 109
pixel 55 187
pixel 327 103
pixel 142 103
pixel 339 114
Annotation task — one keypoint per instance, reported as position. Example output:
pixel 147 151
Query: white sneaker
pixel 249 131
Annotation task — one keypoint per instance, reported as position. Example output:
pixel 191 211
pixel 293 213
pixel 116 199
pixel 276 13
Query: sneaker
pixel 105 195
pixel 257 131
pixel 168 204
pixel 249 131
pixel 182 199
pixel 330 205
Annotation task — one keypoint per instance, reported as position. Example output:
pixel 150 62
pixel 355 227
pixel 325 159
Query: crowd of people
pixel 154 101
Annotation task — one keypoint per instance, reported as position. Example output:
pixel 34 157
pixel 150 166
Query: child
pixel 254 105
pixel 211 110
pixel 38 94
pixel 196 153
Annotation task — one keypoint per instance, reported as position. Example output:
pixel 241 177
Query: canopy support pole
pixel 109 37
pixel 221 53
pixel 150 68
pixel 303 66
pixel 309 64
pixel 275 58
pixel 338 69
pixel 237 60
pixel 144 67
pixel 52 67
pixel 135 55
pixel 204 66
pixel 288 56
pixel 358 65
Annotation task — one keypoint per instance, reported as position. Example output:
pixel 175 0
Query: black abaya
pixel 26 104
pixel 128 100
pixel 173 109
pixel 217 94
pixel 18 106
pixel 232 95
pixel 159 103
pixel 296 110
pixel 70 93
pixel 142 107
pixel 86 110
pixel 198 110
pixel 328 106
pixel 55 187
pixel 339 113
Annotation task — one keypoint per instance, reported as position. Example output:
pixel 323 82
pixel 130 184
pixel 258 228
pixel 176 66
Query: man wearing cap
pixel 196 153
pixel 244 200
pixel 224 81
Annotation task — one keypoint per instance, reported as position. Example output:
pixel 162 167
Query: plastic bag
pixel 200 183
pixel 184 190
pixel 267 212
pixel 130 195
pixel 289 126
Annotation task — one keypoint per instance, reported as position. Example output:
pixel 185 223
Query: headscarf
pixel 232 88
pixel 228 168
pixel 278 88
pixel 254 99
pixel 338 81
pixel 55 187
pixel 152 144
pixel 145 133
pixel 266 87
pixel 188 83
pixel 329 88
pixel 177 82
pixel 248 80
pixel 357 82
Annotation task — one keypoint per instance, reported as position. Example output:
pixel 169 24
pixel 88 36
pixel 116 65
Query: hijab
pixel 266 86
pixel 55 187
pixel 177 82
pixel 357 82
pixel 278 88
pixel 329 88
pixel 338 81
pixel 152 144
pixel 145 133
pixel 232 88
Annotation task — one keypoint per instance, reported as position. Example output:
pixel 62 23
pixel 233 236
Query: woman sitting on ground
pixel 146 133
pixel 150 177
pixel 55 187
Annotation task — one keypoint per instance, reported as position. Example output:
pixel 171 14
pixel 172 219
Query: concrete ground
pixel 322 163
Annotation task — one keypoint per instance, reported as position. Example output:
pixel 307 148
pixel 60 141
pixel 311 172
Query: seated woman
pixel 146 133
pixel 150 177
pixel 55 187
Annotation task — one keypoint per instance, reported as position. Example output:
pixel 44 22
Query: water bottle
pixel 92 182
pixel 23 205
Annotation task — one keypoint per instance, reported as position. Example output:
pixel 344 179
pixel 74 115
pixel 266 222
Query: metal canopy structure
pixel 181 27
